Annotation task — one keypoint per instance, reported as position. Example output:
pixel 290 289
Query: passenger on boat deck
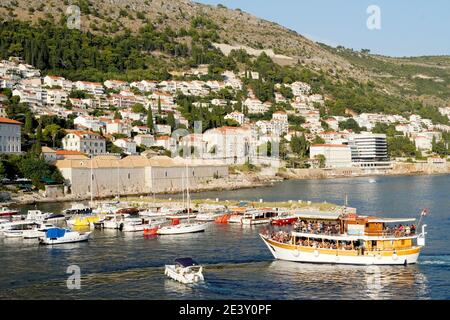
pixel 316 227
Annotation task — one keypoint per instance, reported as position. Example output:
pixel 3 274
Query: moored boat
pixel 348 239
pixel 182 228
pixel 284 220
pixel 60 236
pixel 263 216
pixel 7 212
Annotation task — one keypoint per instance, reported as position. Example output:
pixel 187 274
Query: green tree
pixel 300 145
pixel 28 127
pixel 150 124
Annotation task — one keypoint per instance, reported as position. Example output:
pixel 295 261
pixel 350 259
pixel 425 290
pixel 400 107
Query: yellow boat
pixel 83 221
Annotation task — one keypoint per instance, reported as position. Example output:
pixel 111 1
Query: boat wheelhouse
pixel 349 239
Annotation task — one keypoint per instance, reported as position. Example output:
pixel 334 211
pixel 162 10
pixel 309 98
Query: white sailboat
pixel 184 227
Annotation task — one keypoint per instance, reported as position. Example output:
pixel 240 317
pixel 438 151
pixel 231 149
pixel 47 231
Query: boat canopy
pixel 186 262
pixel 56 233
pixel 319 215
pixel 390 220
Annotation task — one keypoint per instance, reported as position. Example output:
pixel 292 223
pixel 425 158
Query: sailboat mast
pixel 188 197
pixel 118 180
pixel 92 181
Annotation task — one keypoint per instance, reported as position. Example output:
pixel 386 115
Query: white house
pixel 95 88
pixel 10 139
pixel 85 142
pixel 146 140
pixel 128 146
pixel 118 126
pixel 116 85
pixel 336 156
pixel 237 116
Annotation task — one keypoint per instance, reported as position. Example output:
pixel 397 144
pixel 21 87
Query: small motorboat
pixel 223 218
pixel 39 231
pixel 259 217
pixel 185 270
pixel 83 221
pixel 8 213
pixel 184 214
pixel 60 236
pixel 78 208
pixel 158 212
pixel 182 228
pixel 284 220
pixel 37 215
pixel 55 218
pixel 15 229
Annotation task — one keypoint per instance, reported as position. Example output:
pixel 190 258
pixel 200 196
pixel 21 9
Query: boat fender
pixel 121 227
pixel 296 253
pixel 316 253
pixel 394 256
pixel 379 256
pixel 337 258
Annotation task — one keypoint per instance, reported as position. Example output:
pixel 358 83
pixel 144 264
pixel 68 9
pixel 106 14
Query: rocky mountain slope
pixel 425 78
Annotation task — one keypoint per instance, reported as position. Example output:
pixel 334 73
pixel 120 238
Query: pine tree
pixel 28 123
pixel 159 106
pixel 150 119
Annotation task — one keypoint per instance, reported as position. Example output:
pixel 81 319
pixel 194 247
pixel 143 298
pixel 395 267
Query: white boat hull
pixel 186 278
pixel 69 237
pixel 208 217
pixel 255 221
pixel 311 255
pixel 182 228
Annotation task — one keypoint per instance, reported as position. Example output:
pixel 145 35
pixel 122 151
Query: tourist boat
pixel 8 213
pixel 60 236
pixel 259 217
pixel 348 239
pixel 78 208
pixel 185 270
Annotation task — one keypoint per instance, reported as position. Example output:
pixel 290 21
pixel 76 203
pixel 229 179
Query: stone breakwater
pixel 397 169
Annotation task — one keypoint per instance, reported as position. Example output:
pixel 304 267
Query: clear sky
pixel 408 27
